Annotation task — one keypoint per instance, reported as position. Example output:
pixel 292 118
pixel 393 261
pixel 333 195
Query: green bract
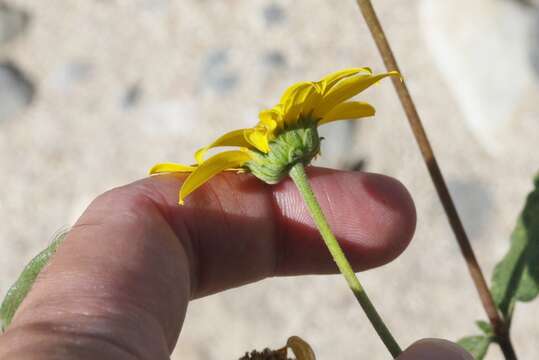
pixel 297 145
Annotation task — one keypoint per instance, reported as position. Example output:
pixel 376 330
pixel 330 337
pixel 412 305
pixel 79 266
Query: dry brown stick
pixel 499 326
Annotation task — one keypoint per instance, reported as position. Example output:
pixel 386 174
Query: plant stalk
pixel 500 328
pixel 297 173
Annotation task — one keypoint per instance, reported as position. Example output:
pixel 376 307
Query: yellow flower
pixel 285 134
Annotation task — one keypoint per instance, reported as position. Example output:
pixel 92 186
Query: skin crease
pixel 119 286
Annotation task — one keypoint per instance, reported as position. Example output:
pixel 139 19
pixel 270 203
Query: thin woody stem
pixel 500 328
pixel 297 173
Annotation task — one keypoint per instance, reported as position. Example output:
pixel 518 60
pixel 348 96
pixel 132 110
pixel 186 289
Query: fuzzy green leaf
pixel 516 276
pixel 22 286
pixel 476 345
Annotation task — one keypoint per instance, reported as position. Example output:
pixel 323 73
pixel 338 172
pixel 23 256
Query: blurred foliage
pixel 18 291
pixel 516 276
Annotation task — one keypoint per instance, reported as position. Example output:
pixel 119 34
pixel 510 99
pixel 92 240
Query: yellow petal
pixel 271 118
pixel 278 109
pixel 313 96
pixel 295 103
pixel 258 138
pixel 292 115
pixel 291 90
pixel 295 99
pixel 330 80
pixel 210 168
pixel 171 167
pixel 348 110
pixel 348 88
pixel 233 138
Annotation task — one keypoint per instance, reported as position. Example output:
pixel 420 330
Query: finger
pixel 135 257
pixel 438 349
pixel 240 230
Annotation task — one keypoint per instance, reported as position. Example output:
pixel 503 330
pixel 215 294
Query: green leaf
pixel 22 286
pixel 485 327
pixel 476 345
pixel 516 276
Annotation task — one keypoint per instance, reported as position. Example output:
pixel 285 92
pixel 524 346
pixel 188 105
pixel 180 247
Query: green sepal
pixel 299 144
pixel 18 291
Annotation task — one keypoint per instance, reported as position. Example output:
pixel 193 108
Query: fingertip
pixel 392 216
pixel 373 217
pixel 439 349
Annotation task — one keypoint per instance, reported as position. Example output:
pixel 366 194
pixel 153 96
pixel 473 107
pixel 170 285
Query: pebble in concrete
pixel 273 14
pixel 275 59
pixel 217 74
pixel 16 91
pixel 132 96
pixel 68 75
pixel 13 22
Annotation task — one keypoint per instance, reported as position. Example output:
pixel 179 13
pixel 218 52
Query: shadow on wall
pixel 488 42
pixel 534 43
pixel 473 201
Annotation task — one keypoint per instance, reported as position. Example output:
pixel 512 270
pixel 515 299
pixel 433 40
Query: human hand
pixel 119 285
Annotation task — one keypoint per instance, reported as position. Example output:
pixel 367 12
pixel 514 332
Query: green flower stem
pixel 297 173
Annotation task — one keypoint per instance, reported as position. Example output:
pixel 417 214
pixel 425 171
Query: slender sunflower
pixel 286 134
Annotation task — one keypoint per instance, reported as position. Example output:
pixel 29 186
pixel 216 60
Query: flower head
pixel 285 134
